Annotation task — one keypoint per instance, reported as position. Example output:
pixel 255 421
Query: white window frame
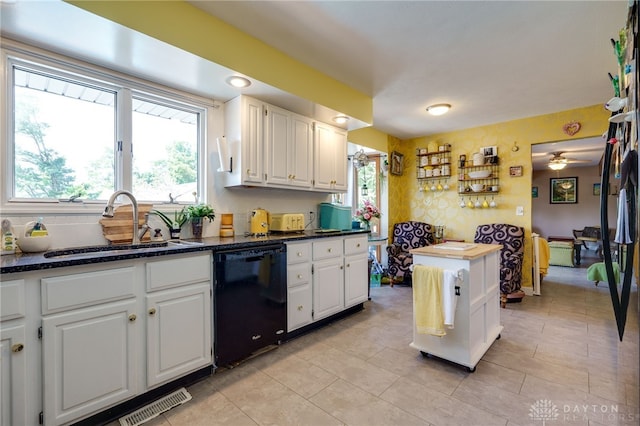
pixel 126 88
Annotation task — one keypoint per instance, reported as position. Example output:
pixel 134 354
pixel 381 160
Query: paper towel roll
pixel 223 154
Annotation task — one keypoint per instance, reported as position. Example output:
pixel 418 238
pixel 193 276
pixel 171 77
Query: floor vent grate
pixel 156 408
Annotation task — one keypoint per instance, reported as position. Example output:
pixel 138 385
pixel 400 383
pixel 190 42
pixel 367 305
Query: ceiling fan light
pixel 557 165
pixel 438 109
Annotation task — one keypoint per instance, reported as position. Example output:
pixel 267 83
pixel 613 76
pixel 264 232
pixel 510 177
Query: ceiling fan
pixel 559 161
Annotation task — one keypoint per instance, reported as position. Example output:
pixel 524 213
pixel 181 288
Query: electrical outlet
pixel 519 211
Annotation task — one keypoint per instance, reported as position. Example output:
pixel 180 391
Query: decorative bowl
pixel 480 174
pixel 477 187
pixel 34 244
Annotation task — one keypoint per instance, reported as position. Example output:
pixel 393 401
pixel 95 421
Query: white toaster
pixel 287 222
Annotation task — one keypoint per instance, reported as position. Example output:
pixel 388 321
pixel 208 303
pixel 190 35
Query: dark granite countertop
pixel 25 262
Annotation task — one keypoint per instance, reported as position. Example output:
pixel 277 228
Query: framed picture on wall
pixel 397 160
pixel 515 171
pixel 563 190
pixel 534 192
pixel 596 189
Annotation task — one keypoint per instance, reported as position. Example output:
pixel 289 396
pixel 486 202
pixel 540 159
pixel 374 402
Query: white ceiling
pixel 494 61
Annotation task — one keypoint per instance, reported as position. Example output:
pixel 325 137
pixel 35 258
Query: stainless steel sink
pixel 103 250
pixel 93 251
pixel 183 243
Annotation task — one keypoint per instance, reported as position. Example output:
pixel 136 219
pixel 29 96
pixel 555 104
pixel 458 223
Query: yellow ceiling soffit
pixel 186 27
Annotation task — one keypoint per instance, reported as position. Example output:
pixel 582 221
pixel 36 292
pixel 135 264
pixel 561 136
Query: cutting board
pixel 119 228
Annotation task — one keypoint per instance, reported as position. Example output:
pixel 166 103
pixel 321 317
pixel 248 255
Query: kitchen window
pixel 75 135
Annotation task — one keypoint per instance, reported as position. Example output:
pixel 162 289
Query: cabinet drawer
pixel 298 274
pixel 327 249
pixel 355 245
pixel 90 288
pixel 175 272
pixel 298 253
pixel 12 294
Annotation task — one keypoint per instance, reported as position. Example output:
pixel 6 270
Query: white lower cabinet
pixel 355 280
pixel 325 277
pixel 109 335
pixel 178 332
pixel 356 274
pixel 89 360
pixel 299 291
pixel 328 287
pixel 299 306
pixel 13 375
pixel 13 358
pixel 91 338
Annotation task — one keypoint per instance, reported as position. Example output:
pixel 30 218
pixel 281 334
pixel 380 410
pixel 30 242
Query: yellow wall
pixel 187 27
pixel 370 137
pixel 442 208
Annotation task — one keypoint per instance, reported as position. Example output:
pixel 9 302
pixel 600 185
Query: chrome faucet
pixel 108 211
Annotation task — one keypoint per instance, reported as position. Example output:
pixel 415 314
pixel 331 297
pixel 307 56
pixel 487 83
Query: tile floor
pixel 560 349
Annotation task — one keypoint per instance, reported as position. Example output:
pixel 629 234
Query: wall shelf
pixel 490 183
pixel 433 165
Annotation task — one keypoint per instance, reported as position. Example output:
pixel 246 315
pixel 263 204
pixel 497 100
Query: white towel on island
pixel 449 299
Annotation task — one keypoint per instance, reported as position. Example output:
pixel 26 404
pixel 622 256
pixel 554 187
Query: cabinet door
pixel 89 360
pixel 178 332
pixel 328 287
pixel 356 280
pixel 330 159
pixel 13 377
pixel 299 306
pixel 252 138
pixel 301 152
pixel 278 145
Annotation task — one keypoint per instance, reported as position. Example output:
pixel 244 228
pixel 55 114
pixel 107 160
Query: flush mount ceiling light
pixel 438 109
pixel 239 82
pixel 340 119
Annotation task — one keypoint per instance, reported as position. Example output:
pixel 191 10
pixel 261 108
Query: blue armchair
pixel 511 238
pixel 406 236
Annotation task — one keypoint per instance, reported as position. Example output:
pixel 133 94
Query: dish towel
pixel 427 300
pixel 545 253
pixel 449 299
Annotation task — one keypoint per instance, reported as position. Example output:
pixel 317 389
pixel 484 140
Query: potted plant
pixel 179 219
pixel 196 213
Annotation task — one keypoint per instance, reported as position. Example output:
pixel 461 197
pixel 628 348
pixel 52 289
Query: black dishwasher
pixel 250 301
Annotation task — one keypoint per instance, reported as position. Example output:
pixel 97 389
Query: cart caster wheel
pixel 425 354
pixel 499 336
pixel 471 369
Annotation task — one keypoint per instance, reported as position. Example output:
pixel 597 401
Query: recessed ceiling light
pixel 438 109
pixel 340 119
pixel 239 82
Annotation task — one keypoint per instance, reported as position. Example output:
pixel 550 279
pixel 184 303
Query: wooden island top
pixel 457 250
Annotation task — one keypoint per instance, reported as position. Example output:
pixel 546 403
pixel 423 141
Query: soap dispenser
pixel 8 238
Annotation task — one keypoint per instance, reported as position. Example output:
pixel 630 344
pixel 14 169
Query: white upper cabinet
pixel 273 147
pixel 330 158
pixel 244 131
pixel 288 143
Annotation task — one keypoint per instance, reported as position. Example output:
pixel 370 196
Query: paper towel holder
pixel 223 154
